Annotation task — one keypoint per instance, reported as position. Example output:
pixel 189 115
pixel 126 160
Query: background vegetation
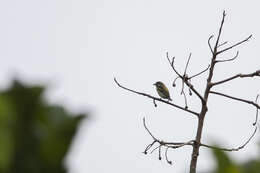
pixel 34 136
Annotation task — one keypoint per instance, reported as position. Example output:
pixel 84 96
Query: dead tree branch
pixel 256 115
pixel 210 43
pixel 167 145
pixel 199 73
pixel 235 98
pixel 184 76
pixel 231 59
pixel 157 99
pixel 222 44
pixel 231 149
pixel 237 44
pixel 256 73
pixel 215 52
pixel 160 145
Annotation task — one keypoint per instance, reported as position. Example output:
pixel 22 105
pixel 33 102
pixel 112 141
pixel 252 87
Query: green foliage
pixel 34 136
pixel 226 165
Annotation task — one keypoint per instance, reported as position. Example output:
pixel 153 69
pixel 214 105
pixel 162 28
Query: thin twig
pixel 172 64
pixel 160 155
pixel 149 146
pixel 185 71
pixel 237 44
pixel 148 129
pixel 256 116
pixel 199 73
pixel 155 105
pixel 155 148
pixel 235 98
pixel 174 81
pixel 219 32
pixel 222 44
pixel 210 44
pixel 158 99
pixel 166 156
pixel 172 145
pixel 231 149
pixel 191 142
pixel 182 77
pixel 185 99
pixel 231 59
pixel 256 73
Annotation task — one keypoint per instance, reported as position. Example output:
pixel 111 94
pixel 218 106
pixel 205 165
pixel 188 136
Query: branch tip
pixel 210 47
pixel 231 149
pixel 231 59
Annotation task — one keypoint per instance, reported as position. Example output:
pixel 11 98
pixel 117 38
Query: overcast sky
pixel 77 47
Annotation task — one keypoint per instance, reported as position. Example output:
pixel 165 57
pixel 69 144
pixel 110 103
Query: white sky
pixel 77 47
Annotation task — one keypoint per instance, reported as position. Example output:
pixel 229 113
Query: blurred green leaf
pixel 34 136
pixel 225 165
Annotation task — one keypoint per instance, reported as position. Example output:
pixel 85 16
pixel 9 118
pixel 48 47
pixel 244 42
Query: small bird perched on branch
pixel 162 90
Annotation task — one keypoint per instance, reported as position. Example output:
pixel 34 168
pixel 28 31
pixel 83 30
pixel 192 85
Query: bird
pixel 162 90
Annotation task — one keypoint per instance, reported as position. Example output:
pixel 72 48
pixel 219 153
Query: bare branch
pixel 184 78
pixel 155 105
pixel 231 59
pixel 182 92
pixel 166 156
pixel 231 149
pixel 237 44
pixel 160 156
pixel 174 81
pixel 199 73
pixel 256 116
pixel 191 142
pixel 190 93
pixel 235 98
pixel 210 44
pixel 172 64
pixel 194 90
pixel 185 99
pixel 185 71
pixel 149 146
pixel 256 73
pixel 148 130
pixel 155 148
pixel 172 145
pixel 158 99
pixel 219 31
pixel 222 44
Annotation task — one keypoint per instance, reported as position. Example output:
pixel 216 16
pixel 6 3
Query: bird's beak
pixel 154 84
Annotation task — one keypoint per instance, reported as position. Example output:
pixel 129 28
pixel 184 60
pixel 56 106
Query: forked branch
pixel 160 145
pixel 167 145
pixel 237 44
pixel 184 77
